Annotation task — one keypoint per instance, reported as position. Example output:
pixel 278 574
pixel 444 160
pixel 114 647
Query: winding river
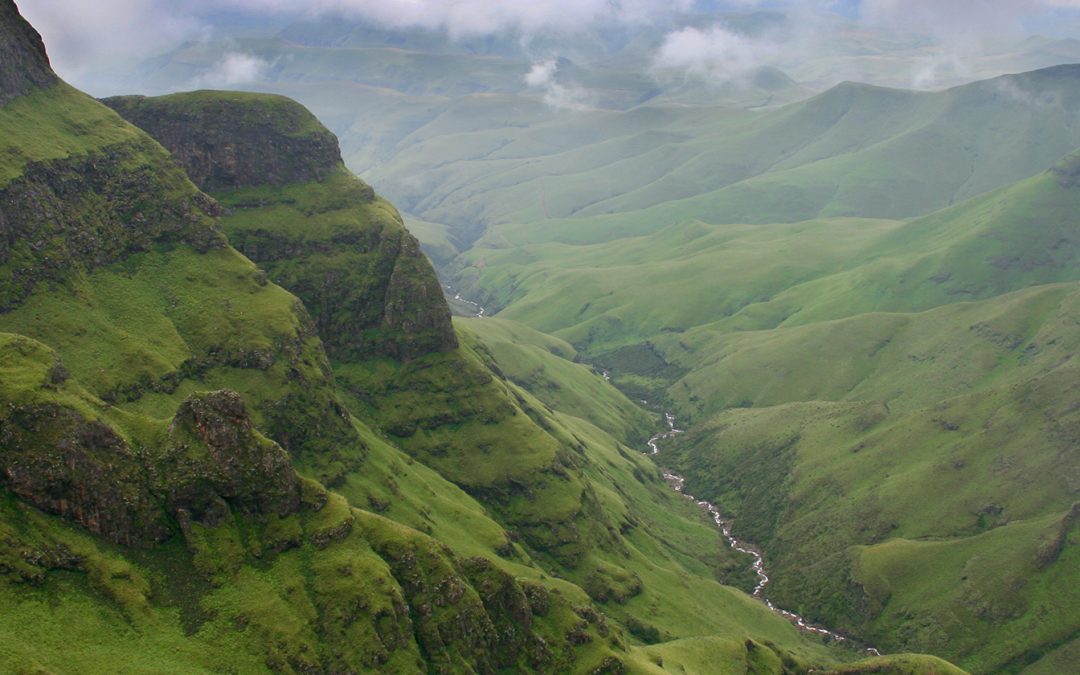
pixel 678 483
pixel 457 296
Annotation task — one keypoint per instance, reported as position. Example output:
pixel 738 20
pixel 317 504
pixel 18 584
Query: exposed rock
pixel 56 458
pixel 370 288
pixel 414 318
pixel 53 458
pixel 24 64
pixel 95 210
pixel 228 140
pixel 217 458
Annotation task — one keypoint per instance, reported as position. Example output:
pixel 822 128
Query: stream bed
pixel 678 484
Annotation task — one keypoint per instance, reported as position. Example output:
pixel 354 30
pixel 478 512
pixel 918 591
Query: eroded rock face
pixel 414 312
pixel 369 287
pixel 228 140
pixel 92 211
pixel 24 65
pixel 217 460
pixel 53 458
pixel 212 461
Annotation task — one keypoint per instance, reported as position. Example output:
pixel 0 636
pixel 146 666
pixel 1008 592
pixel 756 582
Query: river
pixel 457 296
pixel 678 484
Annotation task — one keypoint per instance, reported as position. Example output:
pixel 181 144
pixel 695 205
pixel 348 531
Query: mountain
pixel 887 407
pixel 201 471
pixel 293 207
pixel 877 376
pixel 148 521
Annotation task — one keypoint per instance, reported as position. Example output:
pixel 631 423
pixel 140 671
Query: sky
pixel 89 40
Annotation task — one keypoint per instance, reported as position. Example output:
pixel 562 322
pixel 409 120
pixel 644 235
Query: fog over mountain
pixel 932 44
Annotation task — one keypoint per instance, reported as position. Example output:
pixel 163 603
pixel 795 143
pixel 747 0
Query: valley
pixel 395 349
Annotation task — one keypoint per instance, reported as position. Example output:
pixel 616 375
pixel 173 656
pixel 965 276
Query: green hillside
pixel 859 390
pixel 870 398
pixel 240 432
pixel 201 471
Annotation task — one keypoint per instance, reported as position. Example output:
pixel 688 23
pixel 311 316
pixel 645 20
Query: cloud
pixel 233 69
pixel 556 95
pixel 91 42
pixel 84 38
pixel 470 18
pixel 960 30
pixel 959 21
pixel 542 74
pixel 713 53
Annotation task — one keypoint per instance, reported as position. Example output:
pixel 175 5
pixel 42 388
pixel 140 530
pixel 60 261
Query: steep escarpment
pixel 233 140
pixel 85 212
pixel 24 65
pixel 156 392
pixel 373 295
pixel 293 208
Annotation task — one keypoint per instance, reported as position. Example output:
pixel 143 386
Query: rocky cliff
pixel 57 456
pixel 292 207
pixel 227 140
pixel 23 63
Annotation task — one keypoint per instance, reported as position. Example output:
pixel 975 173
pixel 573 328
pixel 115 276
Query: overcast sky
pixel 87 38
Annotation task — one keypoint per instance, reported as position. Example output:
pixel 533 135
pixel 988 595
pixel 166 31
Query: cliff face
pixel 24 65
pixel 292 207
pixel 228 140
pixel 56 456
pixel 85 212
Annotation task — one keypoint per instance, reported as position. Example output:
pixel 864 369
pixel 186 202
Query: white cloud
pixel 93 41
pixel 83 38
pixel 960 30
pixel 715 53
pixel 233 69
pixel 556 95
pixel 542 74
pixel 468 18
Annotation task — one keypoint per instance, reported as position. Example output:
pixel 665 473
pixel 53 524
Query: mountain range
pixel 241 432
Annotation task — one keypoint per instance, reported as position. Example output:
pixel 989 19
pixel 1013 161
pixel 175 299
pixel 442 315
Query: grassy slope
pixel 575 519
pixel 660 549
pixel 193 321
pixel 807 480
pixel 855 150
pixel 942 424
pixel 993 364
pixel 146 332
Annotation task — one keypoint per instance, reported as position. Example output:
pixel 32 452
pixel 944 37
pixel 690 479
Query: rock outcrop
pixel 217 461
pixel 324 235
pixel 85 212
pixel 56 456
pixel 24 64
pixel 228 139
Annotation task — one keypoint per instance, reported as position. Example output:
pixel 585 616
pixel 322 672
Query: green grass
pixel 808 480
pixel 905 380
pixel 466 509
pixel 525 357
pixel 246 109
pixel 55 123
